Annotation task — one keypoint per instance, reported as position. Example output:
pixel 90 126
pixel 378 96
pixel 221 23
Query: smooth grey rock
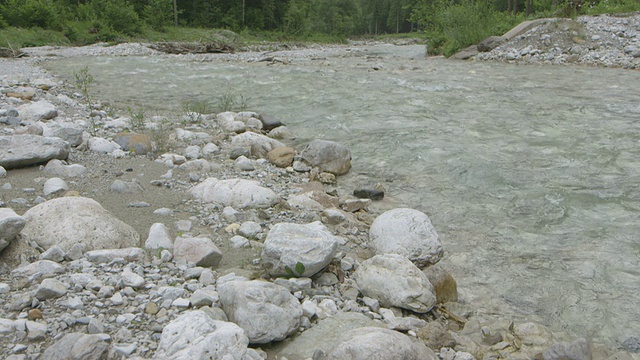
pixel 204 297
pixel 328 156
pixel 381 344
pixel 131 254
pixel 77 220
pixel 102 146
pixel 192 152
pixel 54 253
pixel 69 134
pixel 406 232
pixel 210 149
pixel 201 251
pixel 227 121
pixel 254 140
pixel 54 185
pixel 267 312
pixel 39 269
pixel 395 281
pixel 238 241
pixel 50 289
pixel 10 226
pixel 269 122
pixel 288 244
pixel 38 111
pixel 58 168
pixel 244 164
pixel 195 335
pixel 77 346
pixel 25 150
pixel 35 330
pixel 159 238
pixel 126 187
pixel 249 229
pixel 129 278
pixel 237 193
pixel 95 326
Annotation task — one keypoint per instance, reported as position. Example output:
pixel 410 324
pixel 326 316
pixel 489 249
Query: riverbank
pixel 122 302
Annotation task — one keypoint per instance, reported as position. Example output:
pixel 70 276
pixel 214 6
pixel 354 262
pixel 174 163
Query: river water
pixel 530 174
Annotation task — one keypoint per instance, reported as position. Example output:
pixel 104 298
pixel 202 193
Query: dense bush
pixel 158 14
pixel 3 24
pixel 31 13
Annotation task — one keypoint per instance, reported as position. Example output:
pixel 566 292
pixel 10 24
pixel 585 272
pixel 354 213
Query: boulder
pixel 328 156
pixel 406 232
pixel 102 146
pixel 267 312
pixel 24 150
pixel 158 238
pixel 10 226
pixel 69 134
pixel 491 43
pixel 252 140
pixel 139 144
pixel 77 346
pixel 380 344
pixel 38 111
pixel 444 284
pixel 269 122
pixel 395 281
pixel 228 122
pixel 287 245
pixel 54 185
pixel 237 193
pixel 201 251
pixel 281 156
pixel 77 220
pixel 58 168
pixel 196 335
pixel 50 289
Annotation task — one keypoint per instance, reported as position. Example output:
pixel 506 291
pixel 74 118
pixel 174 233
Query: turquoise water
pixel 530 174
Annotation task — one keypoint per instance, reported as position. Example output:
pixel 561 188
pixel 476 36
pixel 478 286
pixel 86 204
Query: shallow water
pixel 530 174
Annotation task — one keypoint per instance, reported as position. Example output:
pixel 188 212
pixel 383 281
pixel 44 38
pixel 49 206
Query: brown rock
pixel 281 156
pixel 445 285
pixel 35 314
pixel 139 144
pixel 436 336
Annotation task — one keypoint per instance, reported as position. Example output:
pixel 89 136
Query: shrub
pixel 31 13
pixel 158 14
pixel 3 24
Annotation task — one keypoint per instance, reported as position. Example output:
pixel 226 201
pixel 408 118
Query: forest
pixel 447 25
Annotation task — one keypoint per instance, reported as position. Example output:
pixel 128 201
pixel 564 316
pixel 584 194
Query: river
pixel 530 174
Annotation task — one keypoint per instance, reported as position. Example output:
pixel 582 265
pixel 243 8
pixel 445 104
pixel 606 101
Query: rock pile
pixel 257 258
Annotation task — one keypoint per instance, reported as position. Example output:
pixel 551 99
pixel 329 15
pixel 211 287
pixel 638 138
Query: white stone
pixel 131 254
pixel 249 229
pixel 4 288
pixel 383 344
pixel 210 149
pixel 288 244
pixel 39 269
pixel 54 253
pixel 237 193
pixel 3 172
pixel 38 111
pixel 406 232
pixel 328 156
pixel 58 168
pixel 36 331
pixel 238 241
pixel 251 139
pixel 129 278
pixel 77 220
pixel 204 297
pixel 159 238
pixel 78 346
pixel 54 185
pixel 395 281
pixel 10 226
pixel 267 312
pixel 192 152
pixel 24 150
pixel 49 289
pixel 201 251
pixel 195 335
pixel 103 146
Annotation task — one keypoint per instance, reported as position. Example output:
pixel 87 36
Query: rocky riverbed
pixel 210 236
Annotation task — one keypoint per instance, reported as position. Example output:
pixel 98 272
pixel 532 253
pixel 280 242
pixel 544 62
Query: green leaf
pixel 289 271
pixel 300 268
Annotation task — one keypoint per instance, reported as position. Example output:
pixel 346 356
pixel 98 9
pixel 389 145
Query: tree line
pixel 448 24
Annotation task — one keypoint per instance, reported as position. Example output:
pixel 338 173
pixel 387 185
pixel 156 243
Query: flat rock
pixel 50 289
pixel 131 254
pixel 25 150
pixel 267 312
pixel 39 269
pixel 395 281
pixel 289 244
pixel 380 344
pixel 10 226
pixel 38 111
pixel 328 156
pixel 196 335
pixel 237 193
pixel 199 250
pixel 77 220
pixel 78 346
pixel 406 232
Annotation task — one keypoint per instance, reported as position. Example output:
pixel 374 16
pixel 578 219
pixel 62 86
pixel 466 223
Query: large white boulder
pixel 328 156
pixel 288 244
pixel 24 150
pixel 380 344
pixel 395 281
pixel 195 335
pixel 74 220
pixel 237 193
pixel 406 232
pixel 266 311
pixel 10 226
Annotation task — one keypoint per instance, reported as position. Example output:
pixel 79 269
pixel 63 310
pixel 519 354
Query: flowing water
pixel 530 174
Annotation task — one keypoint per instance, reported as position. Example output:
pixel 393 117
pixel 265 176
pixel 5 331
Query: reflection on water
pixel 530 173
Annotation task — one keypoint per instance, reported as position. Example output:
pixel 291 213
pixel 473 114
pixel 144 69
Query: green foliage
pixel 138 121
pixel 613 6
pixel 158 14
pixel 193 110
pixel 297 272
pixel 83 80
pixel 3 23
pixel 31 13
